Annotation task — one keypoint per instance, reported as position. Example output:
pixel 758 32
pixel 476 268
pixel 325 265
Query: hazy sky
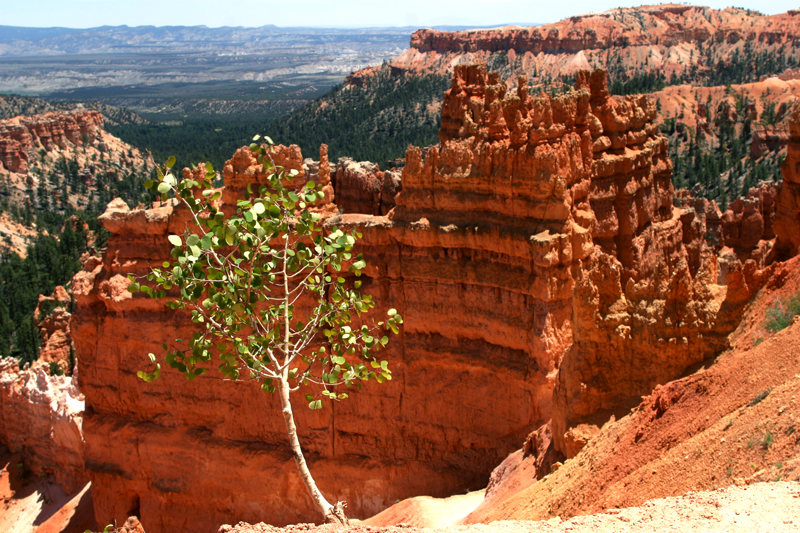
pixel 320 13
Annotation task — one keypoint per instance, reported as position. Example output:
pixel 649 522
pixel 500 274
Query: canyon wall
pixel 20 137
pixel 669 39
pixel 543 275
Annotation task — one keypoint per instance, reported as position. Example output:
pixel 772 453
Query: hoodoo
pixel 544 277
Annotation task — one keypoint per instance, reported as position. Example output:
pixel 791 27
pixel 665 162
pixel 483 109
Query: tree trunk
pixel 332 513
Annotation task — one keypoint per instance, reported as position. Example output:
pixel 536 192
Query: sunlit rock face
pixel 542 272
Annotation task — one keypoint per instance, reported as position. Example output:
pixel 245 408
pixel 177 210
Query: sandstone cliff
pixel 41 416
pixel 543 275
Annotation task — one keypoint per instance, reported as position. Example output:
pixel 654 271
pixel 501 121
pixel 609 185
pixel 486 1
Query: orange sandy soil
pixel 29 504
pixel 771 507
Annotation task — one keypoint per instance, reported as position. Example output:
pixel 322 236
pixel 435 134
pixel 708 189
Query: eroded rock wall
pixel 41 416
pixel 664 25
pixel 21 136
pixel 672 40
pixel 543 275
pixel 787 208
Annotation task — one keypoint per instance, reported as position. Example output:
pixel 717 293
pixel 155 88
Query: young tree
pixel 265 287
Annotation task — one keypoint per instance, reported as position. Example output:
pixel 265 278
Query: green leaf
pixel 259 208
pixel 175 240
pixel 133 287
pixel 316 404
pixel 171 161
pixel 163 188
pixel 192 240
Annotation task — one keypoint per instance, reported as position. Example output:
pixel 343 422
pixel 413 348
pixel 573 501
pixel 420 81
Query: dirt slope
pixel 734 421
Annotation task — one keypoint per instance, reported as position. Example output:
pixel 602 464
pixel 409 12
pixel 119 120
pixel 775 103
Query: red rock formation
pixel 748 222
pixel 41 416
pixel 359 77
pixel 768 139
pixel 542 273
pixel 52 318
pixel 665 25
pixel 21 136
pixel 670 39
pixel 787 209
pixel 359 186
pixel 392 185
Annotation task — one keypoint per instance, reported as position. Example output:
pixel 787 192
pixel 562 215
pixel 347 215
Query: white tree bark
pixel 332 514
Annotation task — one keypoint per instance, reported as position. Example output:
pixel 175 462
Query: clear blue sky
pixel 320 13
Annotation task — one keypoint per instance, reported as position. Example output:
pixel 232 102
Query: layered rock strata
pixel 21 136
pixel 41 416
pixel 665 25
pixel 542 272
pixel 667 39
